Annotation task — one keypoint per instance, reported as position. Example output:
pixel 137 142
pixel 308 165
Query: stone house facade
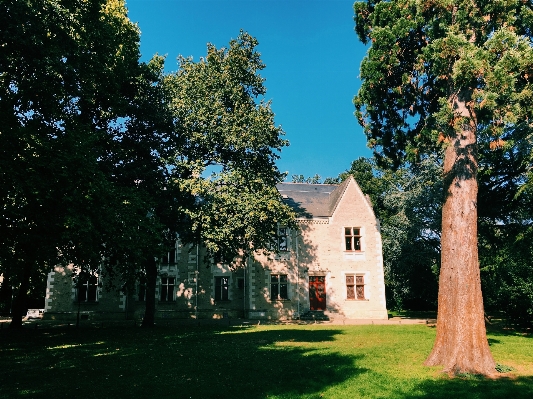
pixel 332 263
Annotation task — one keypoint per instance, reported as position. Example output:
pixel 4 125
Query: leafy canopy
pixel 423 53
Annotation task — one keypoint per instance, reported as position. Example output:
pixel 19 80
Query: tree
pixel 309 180
pixel 448 75
pixel 222 158
pixel 69 71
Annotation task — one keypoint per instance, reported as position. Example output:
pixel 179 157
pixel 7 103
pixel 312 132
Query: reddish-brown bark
pixel 461 344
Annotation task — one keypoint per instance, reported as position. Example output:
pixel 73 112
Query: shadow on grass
pixel 475 388
pixel 171 362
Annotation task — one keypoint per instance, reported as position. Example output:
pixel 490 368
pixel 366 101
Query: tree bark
pixel 461 344
pixel 151 281
pixel 20 301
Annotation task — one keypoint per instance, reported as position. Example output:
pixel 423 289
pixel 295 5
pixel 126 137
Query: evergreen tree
pixel 448 75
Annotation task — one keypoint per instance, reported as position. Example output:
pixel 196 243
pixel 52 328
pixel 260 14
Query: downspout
pixel 196 285
pixel 298 273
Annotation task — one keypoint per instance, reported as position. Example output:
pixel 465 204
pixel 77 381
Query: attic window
pixel 352 238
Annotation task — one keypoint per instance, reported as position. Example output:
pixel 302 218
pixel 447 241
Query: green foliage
pixel 424 52
pixel 502 368
pixel 68 73
pixel 228 146
pixel 316 179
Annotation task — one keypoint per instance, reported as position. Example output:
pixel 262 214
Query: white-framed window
pixel 355 287
pixel 279 287
pixel 86 287
pixel 166 291
pixel 281 241
pixel 221 288
pixel 352 239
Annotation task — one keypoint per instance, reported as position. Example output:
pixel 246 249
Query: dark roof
pixel 312 200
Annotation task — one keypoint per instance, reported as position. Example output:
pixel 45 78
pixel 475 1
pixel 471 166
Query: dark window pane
pixel 283 291
pixel 348 243
pixel 274 291
pixel 91 293
pixel 224 293
pixel 347 231
pixel 360 292
pixel 172 256
pixel 274 278
pixel 221 288
pixel 82 293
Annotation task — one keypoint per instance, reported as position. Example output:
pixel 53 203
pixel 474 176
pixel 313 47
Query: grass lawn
pixel 270 361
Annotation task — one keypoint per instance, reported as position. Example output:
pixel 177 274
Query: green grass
pixel 271 361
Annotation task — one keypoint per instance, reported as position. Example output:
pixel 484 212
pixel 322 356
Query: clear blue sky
pixel 312 58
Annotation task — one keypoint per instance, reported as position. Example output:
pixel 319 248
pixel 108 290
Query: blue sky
pixel 312 58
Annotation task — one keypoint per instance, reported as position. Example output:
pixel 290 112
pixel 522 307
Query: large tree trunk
pixel 151 281
pixel 21 300
pixel 461 344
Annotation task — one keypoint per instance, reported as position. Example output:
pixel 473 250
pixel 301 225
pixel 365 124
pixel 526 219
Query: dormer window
pixel 352 238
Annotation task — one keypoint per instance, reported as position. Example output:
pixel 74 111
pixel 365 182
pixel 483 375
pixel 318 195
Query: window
pixel 87 287
pixel 355 287
pixel 167 289
pixel 221 288
pixel 281 241
pixel 170 257
pixel 352 238
pixel 278 287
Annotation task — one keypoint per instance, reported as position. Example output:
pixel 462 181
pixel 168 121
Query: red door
pixel 317 292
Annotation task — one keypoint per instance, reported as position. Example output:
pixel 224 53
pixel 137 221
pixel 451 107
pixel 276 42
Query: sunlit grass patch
pixel 274 361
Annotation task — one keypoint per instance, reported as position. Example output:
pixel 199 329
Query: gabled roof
pixel 313 200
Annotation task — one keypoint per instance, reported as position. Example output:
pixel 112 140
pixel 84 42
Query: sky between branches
pixel 312 58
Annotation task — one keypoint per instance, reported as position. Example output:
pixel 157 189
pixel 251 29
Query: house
pixel 332 263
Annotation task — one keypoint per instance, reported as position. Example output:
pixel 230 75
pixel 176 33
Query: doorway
pixel 317 292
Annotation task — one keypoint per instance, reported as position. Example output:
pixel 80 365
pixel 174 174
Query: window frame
pixel 355 284
pixel 281 287
pixel 171 254
pixel 353 238
pixel 166 295
pixel 221 294
pixel 87 285
pixel 282 236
